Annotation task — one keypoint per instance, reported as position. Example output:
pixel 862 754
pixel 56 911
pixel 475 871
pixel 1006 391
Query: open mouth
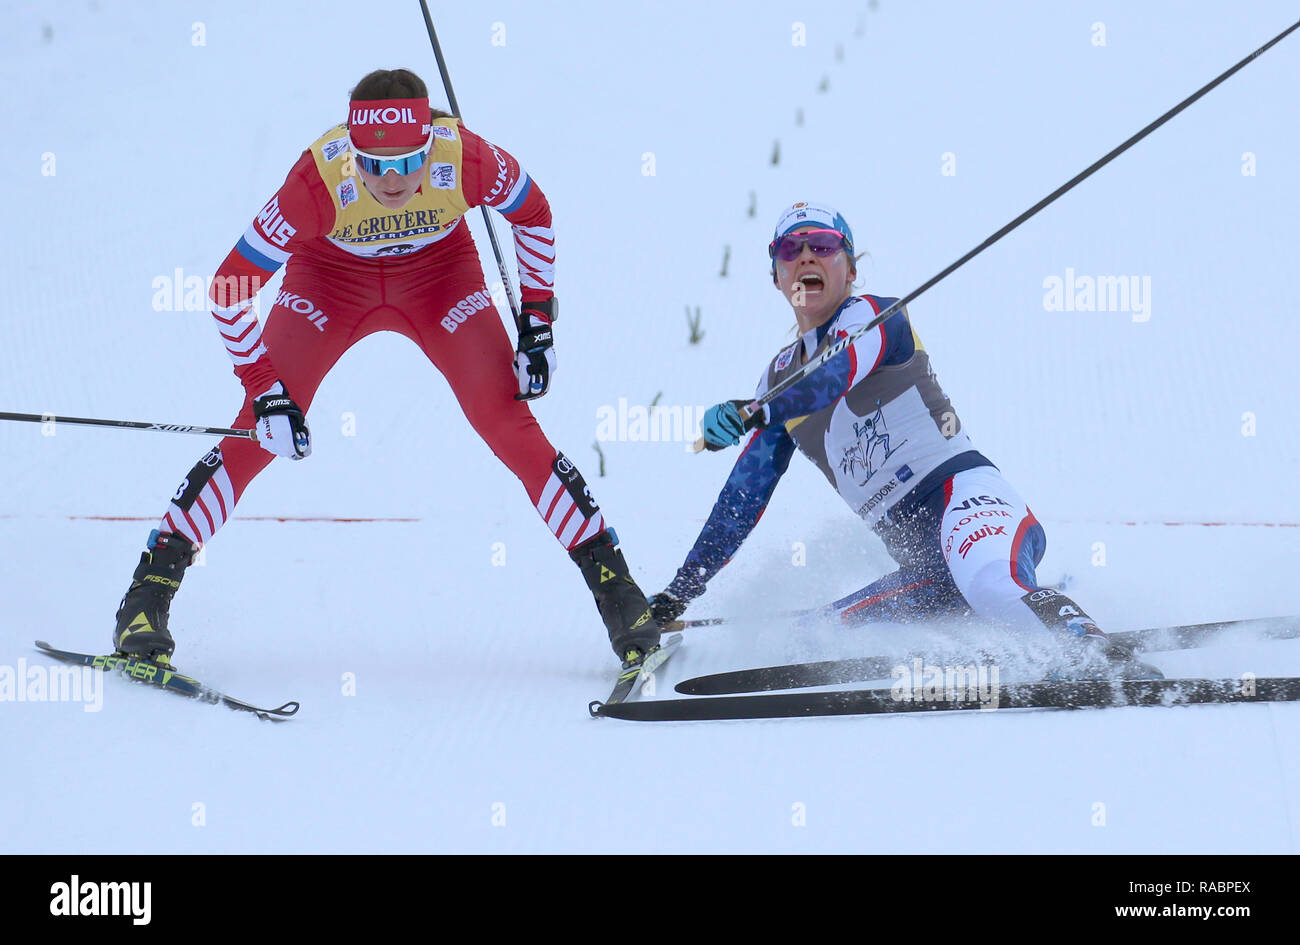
pixel 812 282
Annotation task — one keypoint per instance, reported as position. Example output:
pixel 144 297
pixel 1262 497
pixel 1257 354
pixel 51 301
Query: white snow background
pixel 468 730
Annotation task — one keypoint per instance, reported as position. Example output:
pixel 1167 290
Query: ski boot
pixel 633 633
pixel 1090 653
pixel 141 629
pixel 1124 664
pixel 1098 656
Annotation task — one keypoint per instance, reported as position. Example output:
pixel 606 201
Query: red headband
pixel 390 123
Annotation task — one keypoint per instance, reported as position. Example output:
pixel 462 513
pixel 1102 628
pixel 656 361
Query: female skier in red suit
pixel 369 227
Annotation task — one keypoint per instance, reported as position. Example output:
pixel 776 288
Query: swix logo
pixel 457 314
pixel 979 500
pixel 273 225
pixel 382 116
pixel 985 532
pixel 296 303
pixel 966 520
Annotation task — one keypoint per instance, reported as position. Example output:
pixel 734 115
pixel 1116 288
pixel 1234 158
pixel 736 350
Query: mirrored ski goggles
pixel 402 163
pixel 821 242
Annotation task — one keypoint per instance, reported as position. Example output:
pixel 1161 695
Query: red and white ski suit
pixel 355 267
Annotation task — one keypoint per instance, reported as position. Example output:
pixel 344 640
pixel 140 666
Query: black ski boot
pixel 1124 663
pixel 1094 655
pixel 632 631
pixel 1089 652
pixel 142 617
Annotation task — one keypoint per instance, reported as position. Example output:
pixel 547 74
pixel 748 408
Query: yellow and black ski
pixel 166 677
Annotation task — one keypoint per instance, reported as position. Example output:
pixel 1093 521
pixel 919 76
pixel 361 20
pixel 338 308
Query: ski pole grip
pixel 745 413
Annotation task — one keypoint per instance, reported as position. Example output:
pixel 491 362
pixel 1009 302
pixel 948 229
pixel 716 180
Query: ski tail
pixel 635 677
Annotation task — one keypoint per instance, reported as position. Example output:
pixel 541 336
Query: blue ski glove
pixel 722 426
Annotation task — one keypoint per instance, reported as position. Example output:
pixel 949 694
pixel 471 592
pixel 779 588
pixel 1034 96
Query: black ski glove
pixel 664 607
pixel 535 353
pixel 281 426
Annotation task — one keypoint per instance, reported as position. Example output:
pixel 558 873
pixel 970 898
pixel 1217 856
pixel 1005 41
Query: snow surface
pixel 468 729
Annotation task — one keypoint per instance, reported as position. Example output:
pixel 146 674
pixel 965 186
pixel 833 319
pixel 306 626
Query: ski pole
pixel 675 625
pixel 127 424
pixel 753 407
pixel 487 220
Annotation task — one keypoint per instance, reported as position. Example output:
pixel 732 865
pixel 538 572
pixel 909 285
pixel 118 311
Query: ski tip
pixel 283 714
pixel 594 707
